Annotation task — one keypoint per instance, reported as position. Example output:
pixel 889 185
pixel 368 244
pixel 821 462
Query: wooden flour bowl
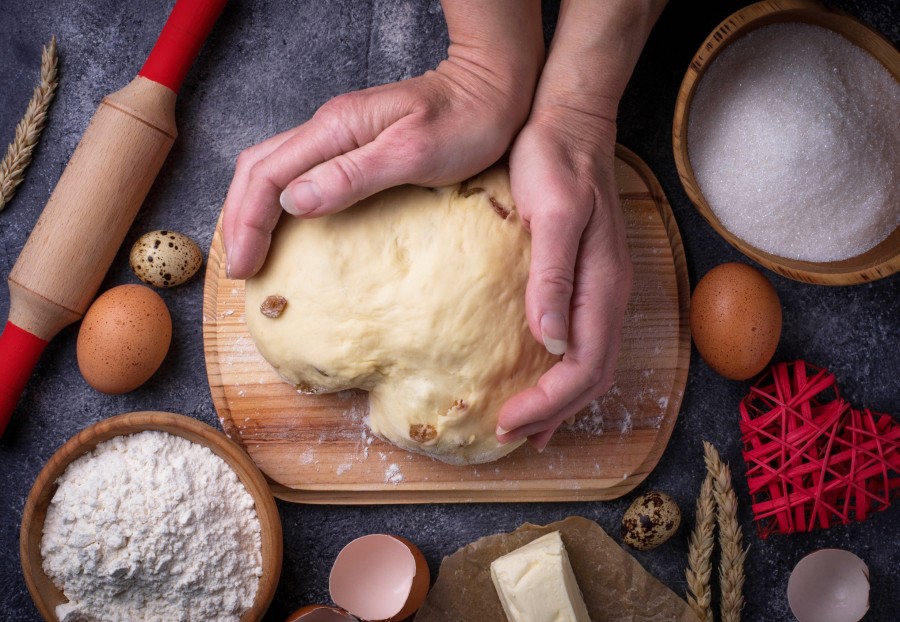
pixel 877 262
pixel 47 596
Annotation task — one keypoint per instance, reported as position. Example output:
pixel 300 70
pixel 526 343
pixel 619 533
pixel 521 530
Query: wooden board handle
pixel 19 353
pixel 180 41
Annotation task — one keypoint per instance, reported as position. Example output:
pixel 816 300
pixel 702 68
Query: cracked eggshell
pixel 379 577
pixel 829 585
pixel 165 258
pixel 320 613
pixel 650 520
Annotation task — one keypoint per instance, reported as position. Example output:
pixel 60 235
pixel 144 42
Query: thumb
pixel 555 237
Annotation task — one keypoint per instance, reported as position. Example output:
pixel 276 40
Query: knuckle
pixel 337 109
pixel 556 277
pixel 246 159
pixel 258 218
pixel 348 172
pixel 260 174
pixel 416 148
pixel 334 107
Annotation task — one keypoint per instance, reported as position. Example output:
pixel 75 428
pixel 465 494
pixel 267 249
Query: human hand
pixel 563 182
pixel 439 128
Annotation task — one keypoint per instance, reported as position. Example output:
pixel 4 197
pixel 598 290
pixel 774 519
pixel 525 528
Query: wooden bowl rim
pixel 46 595
pixel 880 261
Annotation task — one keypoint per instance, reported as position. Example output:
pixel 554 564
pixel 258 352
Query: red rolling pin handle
pixel 19 353
pixel 178 44
pixel 180 40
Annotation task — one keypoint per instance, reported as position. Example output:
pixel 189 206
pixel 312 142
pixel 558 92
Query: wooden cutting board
pixel 317 449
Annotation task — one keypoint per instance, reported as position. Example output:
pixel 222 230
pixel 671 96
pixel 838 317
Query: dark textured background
pixel 266 67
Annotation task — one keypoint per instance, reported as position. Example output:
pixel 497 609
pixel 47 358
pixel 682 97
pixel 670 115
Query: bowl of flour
pixel 151 516
pixel 787 142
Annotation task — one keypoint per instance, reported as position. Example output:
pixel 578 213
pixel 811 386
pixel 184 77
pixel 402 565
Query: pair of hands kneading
pixel 494 93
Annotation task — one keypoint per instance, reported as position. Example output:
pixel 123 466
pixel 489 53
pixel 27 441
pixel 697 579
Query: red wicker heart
pixel 812 460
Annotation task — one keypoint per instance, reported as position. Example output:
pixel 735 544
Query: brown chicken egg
pixel 123 338
pixel 379 578
pixel 735 320
pixel 650 520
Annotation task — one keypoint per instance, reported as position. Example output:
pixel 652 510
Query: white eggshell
pixel 165 258
pixel 379 577
pixel 829 585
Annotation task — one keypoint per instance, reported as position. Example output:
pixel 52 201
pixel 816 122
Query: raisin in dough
pixel 415 295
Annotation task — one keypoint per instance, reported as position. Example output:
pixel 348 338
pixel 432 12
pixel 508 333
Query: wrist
pixel 496 50
pixel 594 51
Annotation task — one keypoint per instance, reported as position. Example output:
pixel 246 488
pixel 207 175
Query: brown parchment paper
pixel 614 585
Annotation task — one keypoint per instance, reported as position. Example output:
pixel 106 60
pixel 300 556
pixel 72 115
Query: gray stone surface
pixel 266 67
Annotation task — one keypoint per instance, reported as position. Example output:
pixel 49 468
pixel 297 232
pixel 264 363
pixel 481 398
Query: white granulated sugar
pixel 795 142
pixel 152 527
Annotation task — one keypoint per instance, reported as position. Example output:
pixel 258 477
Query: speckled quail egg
pixel 165 258
pixel 650 520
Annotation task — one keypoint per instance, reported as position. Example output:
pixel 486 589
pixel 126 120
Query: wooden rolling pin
pixel 96 199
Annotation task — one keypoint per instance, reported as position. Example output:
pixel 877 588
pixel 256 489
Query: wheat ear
pixel 28 131
pixel 731 566
pixel 700 551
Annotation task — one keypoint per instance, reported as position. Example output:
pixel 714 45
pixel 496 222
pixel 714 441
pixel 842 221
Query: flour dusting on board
pixel 392 474
pixel 307 457
pixel 615 411
pixel 591 422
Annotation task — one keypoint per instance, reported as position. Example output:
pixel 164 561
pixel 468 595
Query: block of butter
pixel 536 583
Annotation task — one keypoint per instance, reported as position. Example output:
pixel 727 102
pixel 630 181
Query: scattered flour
pixel 794 141
pixel 590 422
pixel 152 527
pixel 307 457
pixel 392 474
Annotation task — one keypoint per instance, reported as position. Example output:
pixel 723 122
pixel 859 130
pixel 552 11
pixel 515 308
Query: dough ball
pixel 415 295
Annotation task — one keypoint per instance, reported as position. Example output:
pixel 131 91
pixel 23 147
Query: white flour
pixel 152 527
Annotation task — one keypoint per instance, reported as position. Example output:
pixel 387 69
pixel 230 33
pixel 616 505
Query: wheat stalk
pixel 28 131
pixel 731 566
pixel 700 553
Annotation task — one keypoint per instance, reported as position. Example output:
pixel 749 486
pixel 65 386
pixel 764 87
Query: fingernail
pixel 534 445
pixel 501 431
pixel 553 332
pixel 301 198
pixel 228 262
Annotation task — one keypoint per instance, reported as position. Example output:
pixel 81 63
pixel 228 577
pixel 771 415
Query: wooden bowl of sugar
pixel 786 141
pixel 169 456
